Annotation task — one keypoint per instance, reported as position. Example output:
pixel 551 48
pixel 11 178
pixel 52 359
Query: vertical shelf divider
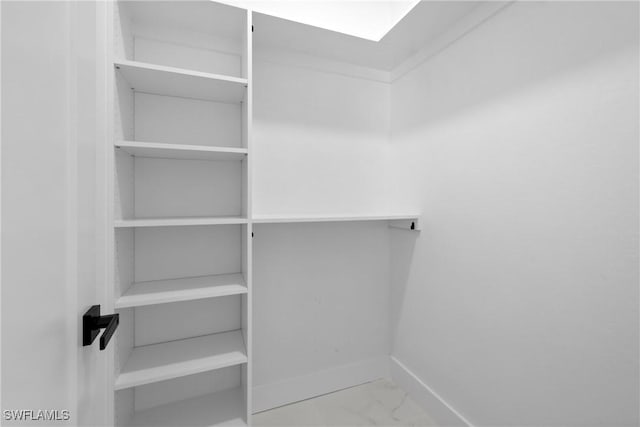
pixel 247 122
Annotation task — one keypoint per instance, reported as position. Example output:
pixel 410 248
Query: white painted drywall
pixel 52 211
pixel 320 290
pixel 320 142
pixel 519 143
pixel 320 305
pixel 37 364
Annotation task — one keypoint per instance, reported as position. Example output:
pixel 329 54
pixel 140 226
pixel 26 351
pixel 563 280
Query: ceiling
pixel 368 19
pixel 423 24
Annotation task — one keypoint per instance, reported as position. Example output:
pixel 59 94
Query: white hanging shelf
pixel 397 221
pixel 158 362
pixel 183 289
pixel 172 81
pixel 181 151
pixel 179 221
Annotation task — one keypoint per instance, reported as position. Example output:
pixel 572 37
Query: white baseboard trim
pixel 295 389
pixel 441 412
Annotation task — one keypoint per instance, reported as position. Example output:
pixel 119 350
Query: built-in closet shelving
pixel 394 220
pixel 173 359
pixel 181 80
pixel 181 151
pixel 184 289
pixel 181 111
pixel 172 81
pixel 178 221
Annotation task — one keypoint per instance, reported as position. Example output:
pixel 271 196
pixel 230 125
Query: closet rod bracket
pixel 412 224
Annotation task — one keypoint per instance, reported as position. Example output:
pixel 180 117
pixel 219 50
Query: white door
pixel 53 212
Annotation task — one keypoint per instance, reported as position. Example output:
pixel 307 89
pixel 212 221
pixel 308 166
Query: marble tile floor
pixel 378 403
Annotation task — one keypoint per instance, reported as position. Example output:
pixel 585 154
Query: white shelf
pixel 224 408
pixel 171 81
pixel 181 151
pixel 179 221
pixel 184 289
pixel 164 361
pixel 267 219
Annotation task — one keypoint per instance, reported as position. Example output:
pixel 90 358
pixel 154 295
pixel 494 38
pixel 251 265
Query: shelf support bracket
pixel 406 224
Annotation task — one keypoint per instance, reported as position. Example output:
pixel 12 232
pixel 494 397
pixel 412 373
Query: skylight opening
pixel 366 19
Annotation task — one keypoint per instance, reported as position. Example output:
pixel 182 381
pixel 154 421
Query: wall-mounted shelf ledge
pixel 180 151
pixel 183 289
pixel 171 81
pixel 410 222
pixel 178 221
pixel 167 360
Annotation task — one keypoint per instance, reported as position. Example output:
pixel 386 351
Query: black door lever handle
pixel 92 322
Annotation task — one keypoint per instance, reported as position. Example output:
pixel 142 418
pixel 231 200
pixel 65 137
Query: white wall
pixel 52 126
pixel 519 143
pixel 320 312
pixel 320 142
pixel 320 290
pixel 36 298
